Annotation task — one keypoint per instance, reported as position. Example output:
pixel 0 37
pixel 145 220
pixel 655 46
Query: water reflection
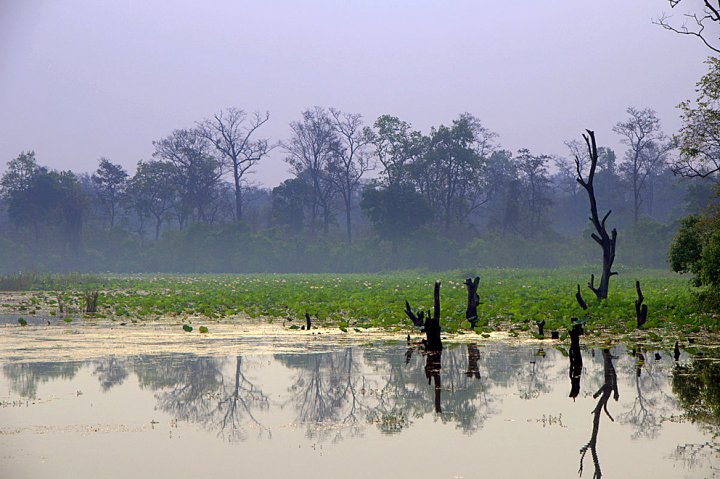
pixel 608 388
pixel 348 392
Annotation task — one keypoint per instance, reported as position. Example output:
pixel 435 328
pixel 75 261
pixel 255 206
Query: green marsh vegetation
pixel 512 300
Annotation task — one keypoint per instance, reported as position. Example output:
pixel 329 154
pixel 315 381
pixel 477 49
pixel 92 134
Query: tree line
pixel 380 190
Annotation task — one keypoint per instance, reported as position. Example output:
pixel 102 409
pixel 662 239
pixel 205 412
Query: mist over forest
pixel 364 196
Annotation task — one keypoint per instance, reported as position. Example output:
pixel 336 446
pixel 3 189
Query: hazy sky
pixel 83 79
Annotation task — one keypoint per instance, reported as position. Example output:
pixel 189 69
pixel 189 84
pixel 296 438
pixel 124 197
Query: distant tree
pixel 110 181
pixel 606 160
pixel 395 145
pixel 699 136
pixel 46 201
pixel 232 134
pixel 19 174
pixel 395 211
pixel 451 172
pixel 288 204
pixel 647 151
pixel 700 22
pixel 352 160
pixel 535 178
pixel 505 192
pixel 152 192
pixel 311 150
pixel 197 172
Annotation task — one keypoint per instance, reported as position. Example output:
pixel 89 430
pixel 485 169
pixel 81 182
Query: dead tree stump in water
pixel 91 302
pixel 473 301
pixel 641 310
pixel 429 324
pixel 580 300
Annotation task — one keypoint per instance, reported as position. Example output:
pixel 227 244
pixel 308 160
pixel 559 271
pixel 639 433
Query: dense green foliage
pixel 696 249
pixel 510 298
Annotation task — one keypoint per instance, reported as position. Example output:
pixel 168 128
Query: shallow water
pixel 491 410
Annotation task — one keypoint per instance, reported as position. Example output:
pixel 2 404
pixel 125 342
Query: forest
pixel 361 198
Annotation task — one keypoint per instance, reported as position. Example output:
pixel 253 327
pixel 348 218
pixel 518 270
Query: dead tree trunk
pixel 606 241
pixel 431 324
pixel 473 301
pixel 91 299
pixel 641 310
pixel 580 300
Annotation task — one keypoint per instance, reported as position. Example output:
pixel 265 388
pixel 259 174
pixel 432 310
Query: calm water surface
pixel 364 412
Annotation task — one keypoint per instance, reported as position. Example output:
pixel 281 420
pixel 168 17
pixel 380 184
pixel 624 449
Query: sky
pixel 85 79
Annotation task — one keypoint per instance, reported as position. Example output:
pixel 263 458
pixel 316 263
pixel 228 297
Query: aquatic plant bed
pixel 512 300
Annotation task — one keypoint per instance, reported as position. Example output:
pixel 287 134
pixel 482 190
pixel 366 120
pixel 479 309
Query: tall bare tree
pixel 647 150
pixel 606 241
pixel 231 133
pixel 352 160
pixel 311 149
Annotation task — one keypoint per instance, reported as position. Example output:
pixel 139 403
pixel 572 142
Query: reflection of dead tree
pixel 235 402
pixel 609 387
pixel 576 362
pixel 433 364
pixel 110 372
pixel 473 354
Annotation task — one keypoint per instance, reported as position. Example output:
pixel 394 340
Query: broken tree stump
pixel 473 301
pixel 91 302
pixel 541 328
pixel 308 322
pixel 580 300
pixel 641 310
pixel 429 324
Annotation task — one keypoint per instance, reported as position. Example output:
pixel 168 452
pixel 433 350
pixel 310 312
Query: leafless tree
pixel 696 23
pixel 606 241
pixel 231 132
pixel 352 160
pixel 647 150
pixel 312 148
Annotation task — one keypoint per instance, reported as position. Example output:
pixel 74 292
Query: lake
pixel 491 409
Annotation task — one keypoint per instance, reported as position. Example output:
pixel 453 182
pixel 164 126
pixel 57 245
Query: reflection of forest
pixel 341 392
